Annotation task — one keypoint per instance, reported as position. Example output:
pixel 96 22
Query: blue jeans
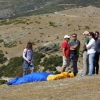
pixel 91 63
pixel 26 65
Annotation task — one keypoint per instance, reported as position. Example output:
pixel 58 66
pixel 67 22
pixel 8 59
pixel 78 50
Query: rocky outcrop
pixel 50 46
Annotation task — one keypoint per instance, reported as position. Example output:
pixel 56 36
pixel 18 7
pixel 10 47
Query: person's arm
pixel 89 44
pixel 24 54
pixel 74 47
pixel 32 55
pixel 63 51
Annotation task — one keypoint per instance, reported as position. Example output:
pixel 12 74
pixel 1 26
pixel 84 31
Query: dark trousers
pixel 73 63
pixel 96 63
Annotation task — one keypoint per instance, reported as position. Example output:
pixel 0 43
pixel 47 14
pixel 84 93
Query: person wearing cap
pixel 65 53
pixel 74 53
pixel 85 55
pixel 96 58
pixel 91 52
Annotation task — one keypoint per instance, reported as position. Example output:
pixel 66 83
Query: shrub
pixel 3 59
pixel 1 40
pixel 2 82
pixel 52 62
pixel 37 58
pixel 37 22
pixel 10 44
pixel 52 24
pixel 14 67
pixel 87 27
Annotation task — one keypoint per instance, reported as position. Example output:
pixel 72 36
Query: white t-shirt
pixel 28 54
pixel 91 46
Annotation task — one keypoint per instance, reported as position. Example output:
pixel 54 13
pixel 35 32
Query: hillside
pixel 78 88
pixel 16 8
pixel 43 29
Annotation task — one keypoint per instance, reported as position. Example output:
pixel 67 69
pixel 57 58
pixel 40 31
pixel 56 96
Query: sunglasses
pixel 73 36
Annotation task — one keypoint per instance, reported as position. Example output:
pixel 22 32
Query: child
pixel 28 57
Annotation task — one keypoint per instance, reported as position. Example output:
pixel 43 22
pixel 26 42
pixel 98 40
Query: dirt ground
pixel 77 88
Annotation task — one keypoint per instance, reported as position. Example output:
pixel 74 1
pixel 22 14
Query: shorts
pixel 26 65
pixel 66 63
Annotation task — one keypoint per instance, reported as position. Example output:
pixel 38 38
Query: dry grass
pixel 78 88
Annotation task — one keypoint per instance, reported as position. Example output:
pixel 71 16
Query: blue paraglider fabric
pixel 33 77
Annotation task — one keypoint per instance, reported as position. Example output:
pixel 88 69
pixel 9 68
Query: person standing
pixel 74 53
pixel 65 53
pixel 97 48
pixel 91 52
pixel 28 58
pixel 85 55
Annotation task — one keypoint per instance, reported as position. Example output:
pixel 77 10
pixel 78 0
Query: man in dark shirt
pixel 97 48
pixel 74 53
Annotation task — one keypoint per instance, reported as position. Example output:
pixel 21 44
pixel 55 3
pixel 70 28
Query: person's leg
pixel 63 65
pixel 31 67
pixel 94 70
pixel 85 63
pixel 25 71
pixel 25 67
pixel 75 64
pixel 97 63
pixel 91 63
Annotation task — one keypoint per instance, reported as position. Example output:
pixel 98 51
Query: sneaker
pixel 90 74
pixel 83 75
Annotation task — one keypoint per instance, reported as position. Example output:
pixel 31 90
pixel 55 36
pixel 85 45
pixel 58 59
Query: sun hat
pixel 86 32
pixel 66 36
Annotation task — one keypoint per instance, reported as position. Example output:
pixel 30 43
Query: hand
pixel 29 61
pixel 65 58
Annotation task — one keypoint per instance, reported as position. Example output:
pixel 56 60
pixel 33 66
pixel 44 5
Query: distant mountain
pixel 16 8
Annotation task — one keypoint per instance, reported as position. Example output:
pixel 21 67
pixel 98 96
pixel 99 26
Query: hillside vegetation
pixel 16 8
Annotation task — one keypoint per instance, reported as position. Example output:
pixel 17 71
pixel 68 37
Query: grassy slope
pixel 27 7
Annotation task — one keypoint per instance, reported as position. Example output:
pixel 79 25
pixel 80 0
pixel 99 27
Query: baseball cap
pixel 66 36
pixel 86 32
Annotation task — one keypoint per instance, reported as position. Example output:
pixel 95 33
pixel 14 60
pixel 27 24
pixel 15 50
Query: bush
pixel 10 44
pixel 14 67
pixel 1 40
pixel 37 59
pixel 51 63
pixel 2 82
pixel 52 24
pixel 2 58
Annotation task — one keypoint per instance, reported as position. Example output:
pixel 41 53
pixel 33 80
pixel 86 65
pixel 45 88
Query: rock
pixel 50 46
